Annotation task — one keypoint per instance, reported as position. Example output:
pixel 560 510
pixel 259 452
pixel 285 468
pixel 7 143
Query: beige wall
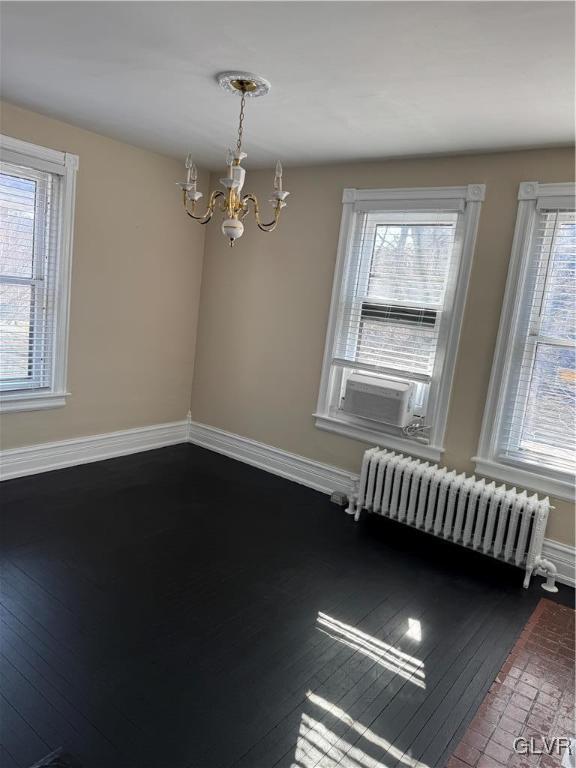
pixel 136 277
pixel 264 305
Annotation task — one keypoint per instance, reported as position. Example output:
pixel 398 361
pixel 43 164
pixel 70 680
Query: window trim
pixel 468 201
pixel 65 165
pixel 487 460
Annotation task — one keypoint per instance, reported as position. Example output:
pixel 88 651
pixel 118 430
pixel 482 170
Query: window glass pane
pixel 393 316
pixel 538 416
pixel 407 348
pixel 410 263
pixel 15 331
pixel 549 421
pixel 17 209
pixel 401 275
pixel 35 213
pixel 558 313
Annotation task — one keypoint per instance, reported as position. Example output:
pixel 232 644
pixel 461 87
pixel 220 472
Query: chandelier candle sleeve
pixel 231 203
pixel 229 162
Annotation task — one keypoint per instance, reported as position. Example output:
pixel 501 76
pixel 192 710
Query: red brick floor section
pixel 532 697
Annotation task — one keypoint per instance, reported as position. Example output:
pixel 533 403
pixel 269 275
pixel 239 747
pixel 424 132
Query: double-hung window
pixel 529 429
pixel 36 221
pixel 399 291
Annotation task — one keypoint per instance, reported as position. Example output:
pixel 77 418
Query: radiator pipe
pixel 550 571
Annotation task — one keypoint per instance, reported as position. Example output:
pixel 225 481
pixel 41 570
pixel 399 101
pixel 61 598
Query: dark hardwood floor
pixel 178 609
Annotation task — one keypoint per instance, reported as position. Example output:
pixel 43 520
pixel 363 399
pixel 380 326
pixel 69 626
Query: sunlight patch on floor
pixel 400 663
pixel 320 747
pixel 414 630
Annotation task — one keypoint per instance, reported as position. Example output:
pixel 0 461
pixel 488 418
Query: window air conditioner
pixel 379 399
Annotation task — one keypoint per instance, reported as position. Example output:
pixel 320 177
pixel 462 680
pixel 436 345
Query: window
pixel 528 434
pixel 399 290
pixel 36 212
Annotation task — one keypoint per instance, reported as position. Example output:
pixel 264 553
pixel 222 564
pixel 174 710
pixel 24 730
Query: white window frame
pixel 467 200
pixel 488 461
pixel 64 164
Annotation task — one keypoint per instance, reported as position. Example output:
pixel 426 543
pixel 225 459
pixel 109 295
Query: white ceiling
pixel 350 80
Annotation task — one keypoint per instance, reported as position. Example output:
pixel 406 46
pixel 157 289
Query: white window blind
pixel 400 284
pixel 36 223
pixel 396 293
pixel 529 430
pixel 29 205
pixel 539 414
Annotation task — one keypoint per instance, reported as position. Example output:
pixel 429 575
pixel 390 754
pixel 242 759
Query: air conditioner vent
pixel 385 400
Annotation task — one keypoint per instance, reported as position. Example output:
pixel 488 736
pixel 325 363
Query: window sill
pixel 377 437
pixel 11 402
pixel 561 489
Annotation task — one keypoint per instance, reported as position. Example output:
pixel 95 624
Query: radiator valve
pixel 549 570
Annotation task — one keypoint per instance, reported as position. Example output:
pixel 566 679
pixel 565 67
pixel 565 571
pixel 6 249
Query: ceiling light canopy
pixel 233 204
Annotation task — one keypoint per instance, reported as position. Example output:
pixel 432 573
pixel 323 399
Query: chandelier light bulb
pixel 191 170
pixel 278 177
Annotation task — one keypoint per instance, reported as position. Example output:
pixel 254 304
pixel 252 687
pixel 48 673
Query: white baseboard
pixel 30 460
pixel 322 477
pixel 326 478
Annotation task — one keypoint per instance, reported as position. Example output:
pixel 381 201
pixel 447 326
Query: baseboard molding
pixel 326 478
pixel 564 558
pixel 30 460
pixel 314 474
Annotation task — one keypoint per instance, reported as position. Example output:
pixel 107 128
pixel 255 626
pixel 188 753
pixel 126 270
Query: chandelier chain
pixel 241 123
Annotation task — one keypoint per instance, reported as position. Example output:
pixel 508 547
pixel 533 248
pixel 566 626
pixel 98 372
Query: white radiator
pixel 499 522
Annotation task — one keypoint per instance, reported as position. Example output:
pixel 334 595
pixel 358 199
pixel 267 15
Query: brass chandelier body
pixel 234 205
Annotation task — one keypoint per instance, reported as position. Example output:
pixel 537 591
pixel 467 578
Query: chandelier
pixel 232 203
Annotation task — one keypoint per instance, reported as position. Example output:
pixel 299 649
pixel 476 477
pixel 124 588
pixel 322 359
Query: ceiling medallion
pixel 233 205
pixel 243 82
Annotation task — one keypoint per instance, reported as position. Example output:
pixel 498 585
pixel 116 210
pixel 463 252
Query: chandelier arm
pixel 205 218
pixel 271 226
pixel 265 227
